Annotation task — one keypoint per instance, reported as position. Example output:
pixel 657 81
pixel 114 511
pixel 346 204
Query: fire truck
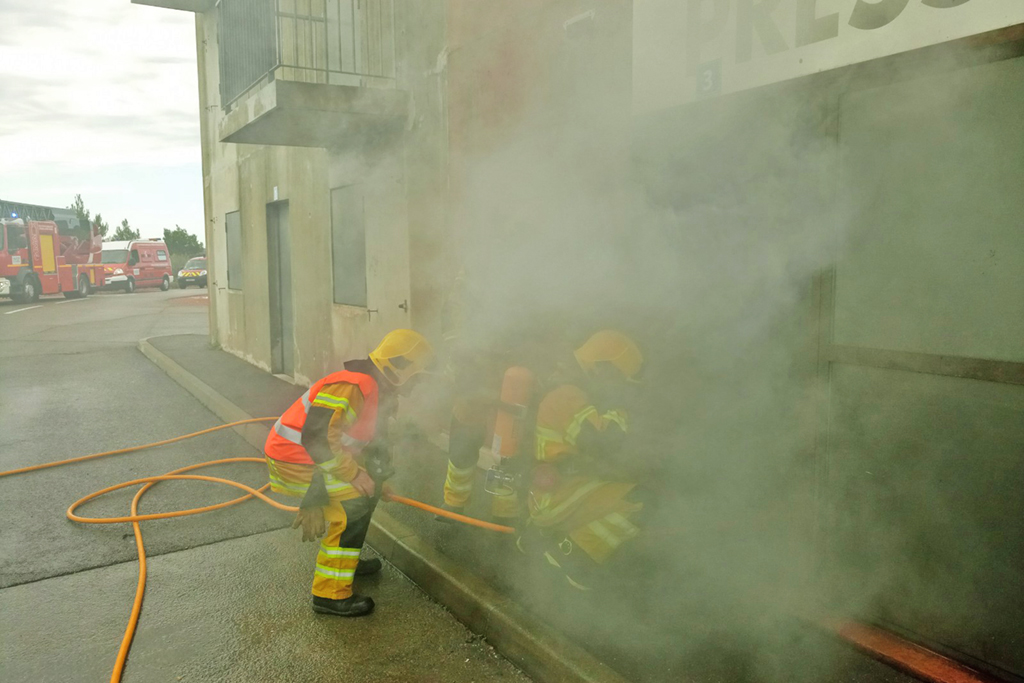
pixel 35 259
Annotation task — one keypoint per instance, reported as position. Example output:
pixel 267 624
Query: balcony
pixel 308 73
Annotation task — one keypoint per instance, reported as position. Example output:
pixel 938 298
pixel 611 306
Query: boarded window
pixel 233 227
pixel 348 246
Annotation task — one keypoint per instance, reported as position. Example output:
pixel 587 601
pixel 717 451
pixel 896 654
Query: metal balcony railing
pixel 340 42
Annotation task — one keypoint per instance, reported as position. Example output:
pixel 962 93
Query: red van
pixel 138 263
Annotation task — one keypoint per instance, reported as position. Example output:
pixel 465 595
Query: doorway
pixel 282 311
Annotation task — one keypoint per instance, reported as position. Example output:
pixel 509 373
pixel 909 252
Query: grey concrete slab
pixel 235 611
pixel 106 400
pixel 70 387
pixel 261 393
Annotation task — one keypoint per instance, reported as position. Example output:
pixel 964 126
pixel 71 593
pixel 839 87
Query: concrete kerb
pixel 254 434
pixel 544 654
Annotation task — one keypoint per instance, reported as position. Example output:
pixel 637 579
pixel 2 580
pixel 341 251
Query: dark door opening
pixel 282 312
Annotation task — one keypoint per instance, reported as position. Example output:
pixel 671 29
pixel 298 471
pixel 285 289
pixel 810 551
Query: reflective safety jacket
pixel 592 513
pixel 357 428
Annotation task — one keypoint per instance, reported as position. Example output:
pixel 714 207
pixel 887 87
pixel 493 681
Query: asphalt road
pixel 228 592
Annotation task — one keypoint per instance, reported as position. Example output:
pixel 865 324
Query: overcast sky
pixel 100 97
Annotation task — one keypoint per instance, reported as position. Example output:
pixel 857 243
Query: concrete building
pixel 811 209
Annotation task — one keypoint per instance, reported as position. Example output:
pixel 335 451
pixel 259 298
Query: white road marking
pixel 19 310
pixel 70 301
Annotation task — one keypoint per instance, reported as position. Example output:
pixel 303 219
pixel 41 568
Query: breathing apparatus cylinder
pixel 512 429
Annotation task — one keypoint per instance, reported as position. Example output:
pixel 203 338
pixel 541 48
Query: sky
pixel 100 98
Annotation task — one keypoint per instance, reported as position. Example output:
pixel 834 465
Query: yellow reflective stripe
pixel 618 418
pixel 334 402
pixel 608 537
pixel 278 482
pixel 329 573
pixel 294 488
pixel 334 485
pixel 339 552
pixel 459 488
pixel 571 500
pixel 625 528
pixel 574 584
pixel 546 436
pixel 460 473
pixel 572 432
pixel 330 398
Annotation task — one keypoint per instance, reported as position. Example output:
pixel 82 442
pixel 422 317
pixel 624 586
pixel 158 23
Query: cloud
pixel 100 97
pixel 99 83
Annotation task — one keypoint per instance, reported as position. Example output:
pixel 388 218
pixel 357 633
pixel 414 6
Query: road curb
pixel 540 651
pixel 254 434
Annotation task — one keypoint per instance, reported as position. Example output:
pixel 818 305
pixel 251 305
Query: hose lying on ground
pixel 177 475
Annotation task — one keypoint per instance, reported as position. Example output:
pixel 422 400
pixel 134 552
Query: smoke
pixel 703 243
pixel 711 235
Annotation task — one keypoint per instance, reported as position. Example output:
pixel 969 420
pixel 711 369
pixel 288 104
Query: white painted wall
pixel 684 50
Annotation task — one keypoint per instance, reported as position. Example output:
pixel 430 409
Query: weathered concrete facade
pixel 249 177
pixel 469 79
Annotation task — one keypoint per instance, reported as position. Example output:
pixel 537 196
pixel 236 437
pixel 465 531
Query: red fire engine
pixel 36 259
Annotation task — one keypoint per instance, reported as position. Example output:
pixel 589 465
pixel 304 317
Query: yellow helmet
pixel 402 354
pixel 611 346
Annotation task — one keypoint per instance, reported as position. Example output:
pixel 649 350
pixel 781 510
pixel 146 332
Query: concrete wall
pixel 248 177
pixel 869 210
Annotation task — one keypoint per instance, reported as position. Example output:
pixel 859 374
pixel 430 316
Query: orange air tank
pixel 510 423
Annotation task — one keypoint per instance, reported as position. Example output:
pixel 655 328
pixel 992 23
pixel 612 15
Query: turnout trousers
pixel 348 521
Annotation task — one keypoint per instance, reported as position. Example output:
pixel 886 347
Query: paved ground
pixel 693 631
pixel 73 382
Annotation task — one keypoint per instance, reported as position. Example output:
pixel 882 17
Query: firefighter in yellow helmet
pixel 328 449
pixel 580 508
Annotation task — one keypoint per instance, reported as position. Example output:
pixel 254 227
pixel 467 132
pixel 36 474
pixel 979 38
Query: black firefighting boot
pixel 355 606
pixel 367 567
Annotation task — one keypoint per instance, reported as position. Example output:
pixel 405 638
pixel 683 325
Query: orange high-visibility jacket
pixel 285 440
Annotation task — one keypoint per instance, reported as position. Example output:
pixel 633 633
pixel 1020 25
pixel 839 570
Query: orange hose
pixel 132 449
pixel 176 475
pixel 472 521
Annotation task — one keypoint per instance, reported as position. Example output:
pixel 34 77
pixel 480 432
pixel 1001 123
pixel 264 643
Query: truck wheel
pixel 81 292
pixel 29 291
pixel 129 286
pixel 181 284
pixel 166 284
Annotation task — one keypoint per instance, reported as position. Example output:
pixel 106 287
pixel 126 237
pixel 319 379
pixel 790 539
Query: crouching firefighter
pixel 582 505
pixel 328 450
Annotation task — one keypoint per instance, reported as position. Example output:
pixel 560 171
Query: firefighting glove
pixel 312 522
pixel 316 495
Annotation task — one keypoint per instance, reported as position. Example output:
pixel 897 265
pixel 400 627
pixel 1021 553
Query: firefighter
pixel 474 371
pixel 582 505
pixel 328 450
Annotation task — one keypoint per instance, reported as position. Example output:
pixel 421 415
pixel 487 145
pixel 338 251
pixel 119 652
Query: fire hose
pixel 178 475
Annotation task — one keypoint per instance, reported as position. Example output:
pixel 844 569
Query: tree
pixel 125 232
pixel 180 242
pixel 78 206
